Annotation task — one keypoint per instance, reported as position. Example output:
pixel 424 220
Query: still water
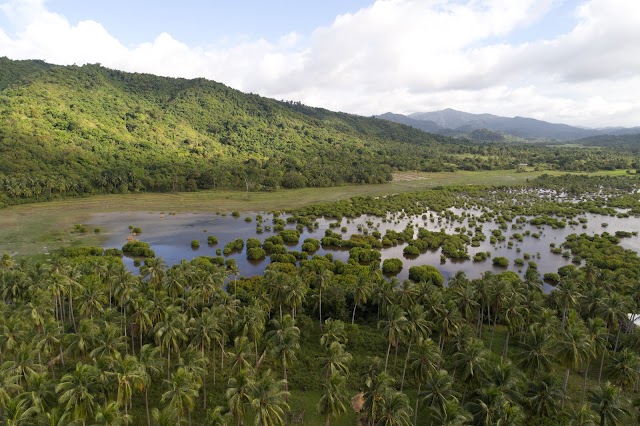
pixel 170 236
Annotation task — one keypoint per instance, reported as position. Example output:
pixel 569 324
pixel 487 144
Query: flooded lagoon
pixel 170 236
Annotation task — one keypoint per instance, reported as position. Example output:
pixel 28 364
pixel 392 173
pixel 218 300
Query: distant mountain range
pixel 450 122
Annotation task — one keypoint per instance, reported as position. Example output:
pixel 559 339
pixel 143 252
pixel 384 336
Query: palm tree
pixel 334 332
pixel 182 393
pixel 607 402
pixel 240 355
pixel 278 286
pixel 470 362
pixel 335 397
pixel 536 355
pixel 150 364
pixel 251 324
pixel 376 384
pixel 424 360
pixel 127 374
pixel 614 310
pixel 78 391
pixel 296 294
pixel 336 361
pixel 598 335
pixel 452 414
pixel 567 296
pixel 110 415
pixel 269 400
pixel 395 409
pixel 323 280
pixel 361 291
pixel 394 328
pixel 542 397
pixel 438 391
pixel 284 342
pixel 584 417
pixel 624 368
pixel 573 348
pixel 417 329
pixel 110 343
pixel 154 270
pixel 140 317
pixel 237 394
pixel 17 413
pixel 39 394
pixel 170 334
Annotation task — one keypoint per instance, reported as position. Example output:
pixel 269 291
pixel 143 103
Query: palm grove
pixel 83 341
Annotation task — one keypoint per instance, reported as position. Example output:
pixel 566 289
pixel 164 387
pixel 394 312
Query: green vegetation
pixel 83 130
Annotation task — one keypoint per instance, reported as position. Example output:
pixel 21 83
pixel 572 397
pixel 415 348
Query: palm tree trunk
pixel 353 316
pixel 615 347
pixel 584 383
pixel 604 351
pixel 395 357
pixel 327 419
pixel 415 411
pixel 320 309
pixel 146 404
pixel 386 360
pixel 506 346
pixel 406 360
pixel 564 385
pixel 168 364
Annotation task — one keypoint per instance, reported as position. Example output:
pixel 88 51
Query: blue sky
pixel 206 22
pixel 571 61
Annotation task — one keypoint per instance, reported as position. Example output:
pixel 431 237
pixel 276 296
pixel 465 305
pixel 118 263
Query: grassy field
pixel 33 229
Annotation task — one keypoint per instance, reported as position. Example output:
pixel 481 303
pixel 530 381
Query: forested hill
pixel 68 130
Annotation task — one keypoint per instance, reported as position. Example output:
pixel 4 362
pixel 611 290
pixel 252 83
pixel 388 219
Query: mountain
pixel 70 130
pixel 450 122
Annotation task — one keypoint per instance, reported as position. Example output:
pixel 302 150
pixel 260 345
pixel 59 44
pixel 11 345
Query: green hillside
pixel 69 130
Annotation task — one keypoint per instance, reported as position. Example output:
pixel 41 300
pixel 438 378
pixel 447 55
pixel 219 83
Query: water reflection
pixel 170 237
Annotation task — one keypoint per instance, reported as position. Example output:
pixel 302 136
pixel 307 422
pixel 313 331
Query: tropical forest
pixel 177 252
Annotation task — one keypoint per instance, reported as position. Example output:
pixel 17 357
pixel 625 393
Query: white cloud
pixel 395 55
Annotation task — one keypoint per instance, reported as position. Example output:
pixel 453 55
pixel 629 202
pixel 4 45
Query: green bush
pixel 138 248
pixel 426 273
pixel 501 261
pixel 391 266
pixel 195 244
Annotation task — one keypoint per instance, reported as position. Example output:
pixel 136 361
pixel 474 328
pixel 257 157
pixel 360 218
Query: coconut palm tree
pixel 127 374
pixel 417 329
pixel 608 404
pixel 323 280
pixel 361 292
pixel 537 351
pixel 470 363
pixel 79 391
pixel 336 361
pixel 542 398
pixel 284 343
pixel 269 400
pixel 150 364
pixel 334 331
pixel 394 328
pixel 452 414
pixel 335 397
pixel 624 368
pixel 237 393
pixel 182 392
pixel 614 310
pixel 395 409
pixel 424 360
pixel 170 334
pixel 438 391
pixel 573 347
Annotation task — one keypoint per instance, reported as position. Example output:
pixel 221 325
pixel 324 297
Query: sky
pixel 569 61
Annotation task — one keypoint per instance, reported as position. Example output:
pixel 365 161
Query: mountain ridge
pixel 452 122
